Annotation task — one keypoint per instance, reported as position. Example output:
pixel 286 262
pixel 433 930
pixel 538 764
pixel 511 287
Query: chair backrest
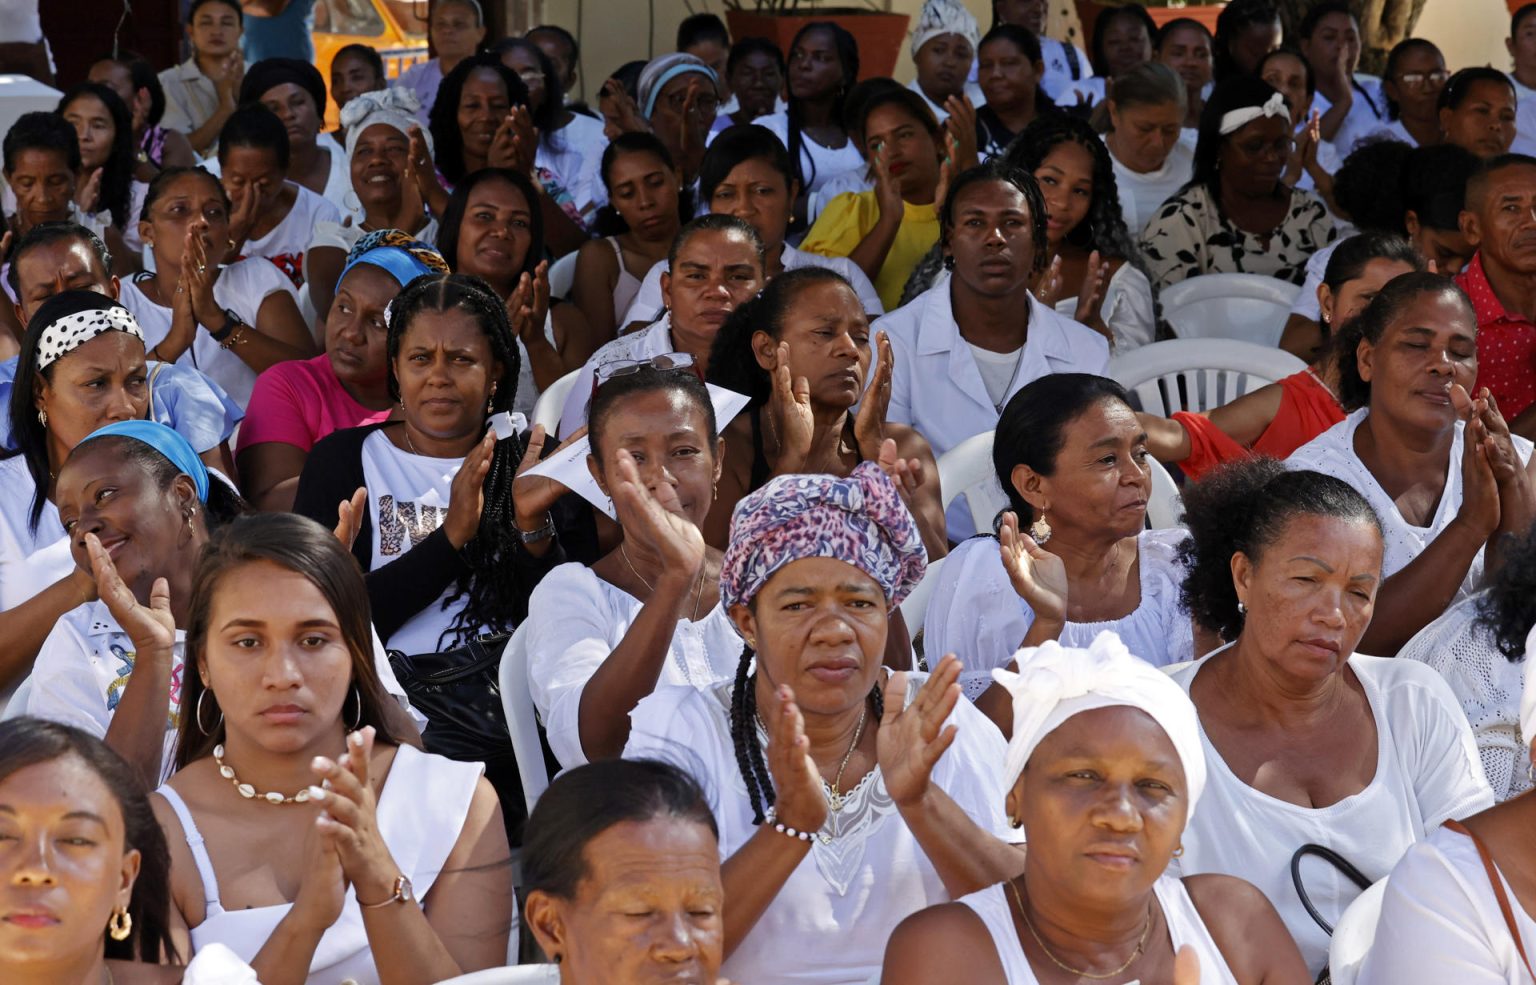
pixel 1165 505
pixel 1245 307
pixel 1354 935
pixel 527 974
pixel 966 470
pixel 522 719
pixel 562 276
pixel 1198 374
pixel 16 704
pixel 551 402
pixel 915 606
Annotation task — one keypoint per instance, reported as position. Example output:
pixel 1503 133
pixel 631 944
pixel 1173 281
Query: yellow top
pixel 849 217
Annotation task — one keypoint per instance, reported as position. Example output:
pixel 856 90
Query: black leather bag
pixel 459 693
pixel 1344 866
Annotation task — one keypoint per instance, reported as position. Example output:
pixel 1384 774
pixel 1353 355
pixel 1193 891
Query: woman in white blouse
pixel 1443 487
pixel 1458 907
pixel 647 613
pixel 1152 160
pixel 1308 741
pixel 1072 559
pixel 844 800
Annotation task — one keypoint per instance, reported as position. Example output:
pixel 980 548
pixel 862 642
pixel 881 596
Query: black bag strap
pixel 1338 862
pixel 1074 65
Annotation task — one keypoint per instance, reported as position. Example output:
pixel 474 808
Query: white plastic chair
pixel 1354 935
pixel 1165 505
pixel 1198 374
pixel 966 470
pixel 1244 307
pixel 551 402
pixel 527 974
pixel 562 276
pixel 914 608
pixel 16 705
pixel 522 718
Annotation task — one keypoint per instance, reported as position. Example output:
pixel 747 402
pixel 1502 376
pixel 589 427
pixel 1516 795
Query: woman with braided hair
pixel 437 535
pixel 847 797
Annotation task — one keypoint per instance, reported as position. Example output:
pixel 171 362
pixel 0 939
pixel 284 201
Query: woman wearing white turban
pixel 1104 770
pixel 1458 906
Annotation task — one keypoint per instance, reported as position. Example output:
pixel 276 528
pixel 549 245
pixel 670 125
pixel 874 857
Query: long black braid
pixel 749 752
pixel 494 597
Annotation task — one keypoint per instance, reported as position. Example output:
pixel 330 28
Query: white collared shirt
pixel 190 97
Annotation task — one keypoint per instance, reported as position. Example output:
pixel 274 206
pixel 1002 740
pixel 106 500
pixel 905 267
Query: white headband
pixel 1055 682
pixel 1528 694
pixel 1239 118
pixel 65 335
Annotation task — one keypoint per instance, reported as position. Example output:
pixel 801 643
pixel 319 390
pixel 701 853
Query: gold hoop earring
pixel 120 924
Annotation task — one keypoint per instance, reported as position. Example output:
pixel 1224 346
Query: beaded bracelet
pixel 785 829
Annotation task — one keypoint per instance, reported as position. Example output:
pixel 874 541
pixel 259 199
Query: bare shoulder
pixel 596 255
pixel 1247 930
pixel 932 943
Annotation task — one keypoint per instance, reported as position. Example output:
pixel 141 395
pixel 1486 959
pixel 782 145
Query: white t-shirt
pixel 290 239
pixel 1440 921
pixel 1525 118
pixel 407 500
pixel 653 340
pixel 647 304
pixel 576 620
pixel 1466 653
pixel 817 163
pixel 1333 453
pixel 338 185
pixel 241 287
pixel 853 181
pixel 975 613
pixel 996 369
pixel 1306 303
pixel 1141 194
pixel 30 560
pixel 1427 772
pixel 1127 309
pixel 574 155
pixel 865 872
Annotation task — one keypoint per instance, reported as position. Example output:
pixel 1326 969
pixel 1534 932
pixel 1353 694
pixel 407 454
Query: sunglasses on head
pixel 629 367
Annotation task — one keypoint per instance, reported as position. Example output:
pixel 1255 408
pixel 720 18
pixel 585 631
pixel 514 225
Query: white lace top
pixel 1487 684
pixel 975 613
pixel 865 872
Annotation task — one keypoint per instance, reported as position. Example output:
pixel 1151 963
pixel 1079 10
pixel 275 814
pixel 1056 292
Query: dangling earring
pixel 197 714
pixel 190 514
pixel 357 719
pixel 42 418
pixel 1040 530
pixel 120 924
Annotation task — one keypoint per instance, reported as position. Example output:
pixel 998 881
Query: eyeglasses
pixel 1435 78
pixel 629 367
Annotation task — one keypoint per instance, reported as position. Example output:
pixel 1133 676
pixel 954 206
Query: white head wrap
pixel 1528 693
pixel 1239 118
pixel 944 17
pixel 1055 682
pixel 395 106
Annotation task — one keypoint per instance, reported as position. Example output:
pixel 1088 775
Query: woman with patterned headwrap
pixel 296 403
pixel 1104 769
pixel 847 797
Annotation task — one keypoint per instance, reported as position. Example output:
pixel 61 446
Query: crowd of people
pixel 307 435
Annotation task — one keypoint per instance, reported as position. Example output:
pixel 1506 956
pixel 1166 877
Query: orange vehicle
pixel 396 29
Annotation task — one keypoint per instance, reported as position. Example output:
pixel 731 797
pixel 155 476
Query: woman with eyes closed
pixel 747 173
pixel 642 186
pixel 715 266
pixel 295 93
pixel 493 229
pixel 84 871
pixel 229 322
pixel 1104 770
pixel 646 614
pixel 1145 109
pixel 306 835
pixel 296 403
pixel 1436 460
pixel 1307 740
pixel 801 351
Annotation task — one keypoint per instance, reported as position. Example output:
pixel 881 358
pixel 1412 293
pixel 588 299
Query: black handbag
pixel 1338 862
pixel 459 693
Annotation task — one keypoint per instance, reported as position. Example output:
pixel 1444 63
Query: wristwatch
pixel 403 894
pixel 534 536
pixel 231 322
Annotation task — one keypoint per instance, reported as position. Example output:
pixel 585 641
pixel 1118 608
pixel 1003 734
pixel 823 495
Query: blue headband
pixel 681 68
pixel 393 260
pixel 165 441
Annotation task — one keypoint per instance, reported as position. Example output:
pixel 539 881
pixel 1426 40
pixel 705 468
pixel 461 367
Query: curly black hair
pixel 1244 506
pixel 732 363
pixel 1006 171
pixel 1369 184
pixel 447 138
pixel 1104 228
pixel 1399 292
pixel 1508 608
pixel 494 599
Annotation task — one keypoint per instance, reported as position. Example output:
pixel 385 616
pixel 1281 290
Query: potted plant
pixel 1204 11
pixel 880 33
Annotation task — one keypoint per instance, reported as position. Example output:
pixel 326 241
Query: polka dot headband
pixel 71 319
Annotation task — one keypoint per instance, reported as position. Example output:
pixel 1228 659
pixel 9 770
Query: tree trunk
pixel 1383 23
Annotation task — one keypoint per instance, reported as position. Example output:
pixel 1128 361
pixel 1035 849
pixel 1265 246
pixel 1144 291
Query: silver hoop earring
pixel 197 714
pixel 357 720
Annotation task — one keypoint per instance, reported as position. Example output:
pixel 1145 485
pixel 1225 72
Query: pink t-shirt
pixel 298 403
